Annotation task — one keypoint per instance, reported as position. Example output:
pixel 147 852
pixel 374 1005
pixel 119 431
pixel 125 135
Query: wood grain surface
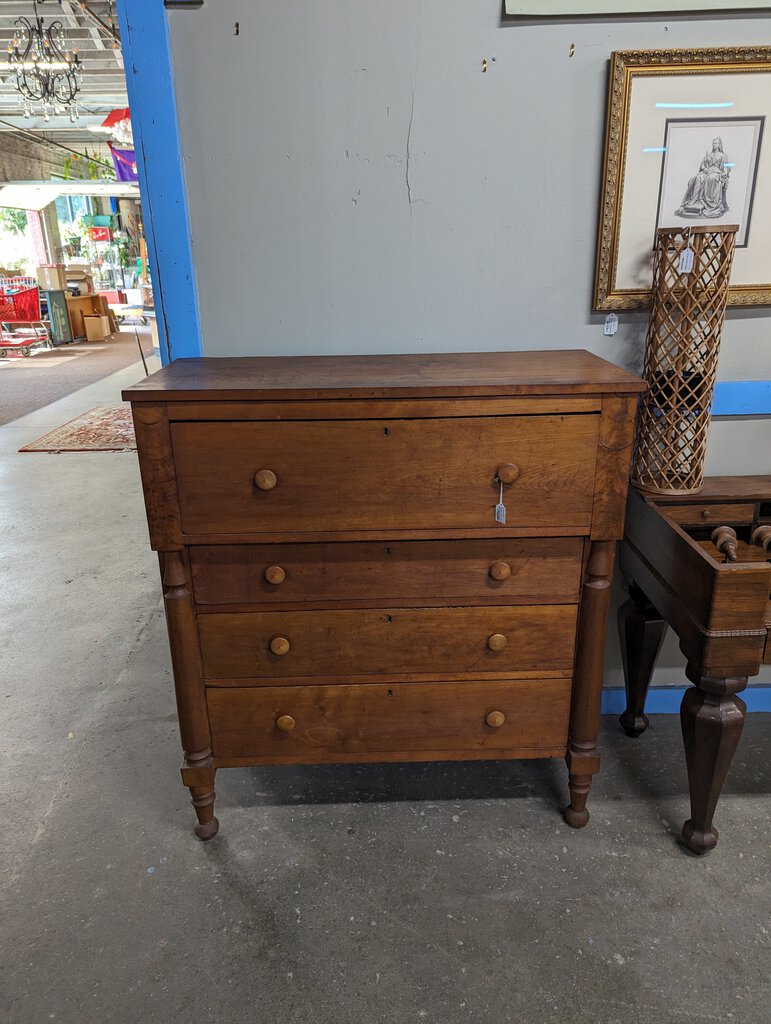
pixel 565 371
pixel 426 572
pixel 399 474
pixel 363 643
pixel 332 722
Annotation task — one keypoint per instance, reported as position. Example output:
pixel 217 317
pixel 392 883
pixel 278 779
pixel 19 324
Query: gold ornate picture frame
pixel 580 8
pixel 685 146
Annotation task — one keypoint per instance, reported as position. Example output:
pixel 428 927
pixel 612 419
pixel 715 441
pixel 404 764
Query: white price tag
pixel 611 324
pixel 685 264
pixel 500 508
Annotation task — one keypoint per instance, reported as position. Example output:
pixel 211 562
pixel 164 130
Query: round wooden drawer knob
pixel 508 473
pixel 500 570
pixel 706 514
pixel 265 479
pixel 274 574
pixel 285 723
pixel 496 642
pixel 495 719
pixel 279 645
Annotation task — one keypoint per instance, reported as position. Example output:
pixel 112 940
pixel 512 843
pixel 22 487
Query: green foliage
pixel 122 245
pixel 88 167
pixel 14 222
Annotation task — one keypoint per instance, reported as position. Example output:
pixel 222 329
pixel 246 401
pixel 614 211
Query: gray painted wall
pixel 357 184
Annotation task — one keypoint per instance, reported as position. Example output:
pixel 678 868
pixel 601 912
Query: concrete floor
pixel 439 893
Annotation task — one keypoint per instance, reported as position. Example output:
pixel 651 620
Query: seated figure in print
pixel 706 192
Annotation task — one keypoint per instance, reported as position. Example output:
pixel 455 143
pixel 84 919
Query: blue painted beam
pixel 665 700
pixel 742 398
pixel 149 80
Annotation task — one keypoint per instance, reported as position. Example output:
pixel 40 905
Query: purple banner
pixel 125 164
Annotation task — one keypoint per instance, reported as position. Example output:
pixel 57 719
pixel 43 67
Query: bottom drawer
pixel 402 721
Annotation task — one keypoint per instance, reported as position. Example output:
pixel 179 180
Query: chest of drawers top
pixel 452 375
pixel 286 448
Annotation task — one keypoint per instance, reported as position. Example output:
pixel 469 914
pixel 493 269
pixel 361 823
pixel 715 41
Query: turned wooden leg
pixel 712 719
pixel 203 801
pixel 198 767
pixel 641 631
pixel 582 758
pixel 198 775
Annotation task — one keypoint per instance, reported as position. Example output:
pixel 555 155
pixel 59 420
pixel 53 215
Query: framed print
pixel 684 145
pixel 709 172
pixel 574 8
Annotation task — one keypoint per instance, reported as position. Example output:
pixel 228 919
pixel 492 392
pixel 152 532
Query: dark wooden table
pixel 701 564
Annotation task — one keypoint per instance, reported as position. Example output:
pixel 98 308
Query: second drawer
pixel 427 642
pixel 428 572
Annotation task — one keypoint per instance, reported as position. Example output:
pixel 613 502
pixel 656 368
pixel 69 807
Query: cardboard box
pixel 97 328
pixel 81 276
pixel 52 277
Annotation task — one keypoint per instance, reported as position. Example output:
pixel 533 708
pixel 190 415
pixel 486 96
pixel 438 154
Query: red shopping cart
pixel 21 325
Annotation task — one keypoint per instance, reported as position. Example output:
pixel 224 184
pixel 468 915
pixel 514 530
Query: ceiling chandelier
pixel 48 73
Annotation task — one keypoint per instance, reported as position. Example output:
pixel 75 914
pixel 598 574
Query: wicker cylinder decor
pixel 681 354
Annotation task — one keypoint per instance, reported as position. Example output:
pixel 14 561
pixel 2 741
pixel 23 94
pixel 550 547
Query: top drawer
pixel 365 475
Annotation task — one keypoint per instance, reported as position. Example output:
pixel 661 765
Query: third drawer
pixel 403 642
pixel 532 571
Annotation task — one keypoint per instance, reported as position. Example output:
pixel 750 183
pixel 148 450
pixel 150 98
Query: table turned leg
pixel 712 719
pixel 641 631
pixel 582 758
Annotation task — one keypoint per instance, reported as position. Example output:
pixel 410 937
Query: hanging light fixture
pixel 48 73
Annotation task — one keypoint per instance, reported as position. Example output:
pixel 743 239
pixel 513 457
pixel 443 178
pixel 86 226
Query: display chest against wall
pixel 386 558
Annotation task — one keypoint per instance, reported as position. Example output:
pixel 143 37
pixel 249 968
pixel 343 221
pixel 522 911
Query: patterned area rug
pixel 107 428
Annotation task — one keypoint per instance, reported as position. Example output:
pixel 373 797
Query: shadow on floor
pixel 651 768
pixel 376 783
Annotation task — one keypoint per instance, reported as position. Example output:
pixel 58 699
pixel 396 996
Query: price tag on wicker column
pixel 685 263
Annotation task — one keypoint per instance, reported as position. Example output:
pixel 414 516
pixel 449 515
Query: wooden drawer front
pixel 709 515
pixel 438 642
pixel 543 571
pixel 385 475
pixel 334 723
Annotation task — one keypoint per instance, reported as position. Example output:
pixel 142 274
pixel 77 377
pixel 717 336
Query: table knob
pixel 496 642
pixel 285 723
pixel 725 540
pixel 761 536
pixel 279 645
pixel 495 719
pixel 706 514
pixel 265 479
pixel 507 473
pixel 500 570
pixel 274 574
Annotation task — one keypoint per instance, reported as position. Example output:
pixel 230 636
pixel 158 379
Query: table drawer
pixel 704 514
pixel 532 571
pixel 437 642
pixel 314 724
pixel 305 477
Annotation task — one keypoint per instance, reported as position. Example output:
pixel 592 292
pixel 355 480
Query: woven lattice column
pixel 681 354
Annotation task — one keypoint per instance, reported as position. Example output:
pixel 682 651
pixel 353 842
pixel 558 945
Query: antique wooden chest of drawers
pixel 396 558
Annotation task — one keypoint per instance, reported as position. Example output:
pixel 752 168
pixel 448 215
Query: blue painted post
pixel 742 398
pixel 665 700
pixel 150 84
